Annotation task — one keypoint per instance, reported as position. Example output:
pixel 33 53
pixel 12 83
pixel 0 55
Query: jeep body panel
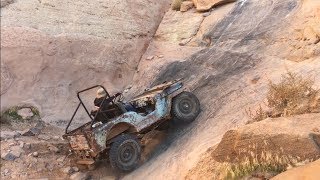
pixel 133 119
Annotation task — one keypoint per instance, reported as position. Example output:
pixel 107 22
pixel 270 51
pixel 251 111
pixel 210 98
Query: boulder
pixel 75 169
pixel 36 130
pixel 35 154
pixel 44 137
pixel 186 5
pixel 108 178
pixel 280 137
pixel 56 137
pixel 61 159
pixel 53 148
pixel 9 134
pixel 31 132
pixel 12 142
pixel 27 146
pixel 9 156
pixel 309 171
pixel 14 153
pixel 21 144
pixel 80 176
pixel 40 125
pixel 49 166
pixel 204 5
pixel 16 150
pixel 6 172
pixel 25 113
pixel 67 170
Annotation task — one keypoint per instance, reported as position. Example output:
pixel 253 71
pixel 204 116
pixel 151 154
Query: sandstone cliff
pixel 263 149
pixel 51 49
pixel 241 53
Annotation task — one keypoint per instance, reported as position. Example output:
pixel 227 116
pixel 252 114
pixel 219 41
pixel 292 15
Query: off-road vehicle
pixel 119 137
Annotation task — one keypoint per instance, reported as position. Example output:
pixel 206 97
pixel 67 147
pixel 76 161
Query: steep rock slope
pixel 273 141
pixel 50 49
pixel 285 136
pixel 228 76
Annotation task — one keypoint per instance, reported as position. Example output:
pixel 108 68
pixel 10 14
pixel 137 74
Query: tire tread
pixel 113 153
pixel 175 112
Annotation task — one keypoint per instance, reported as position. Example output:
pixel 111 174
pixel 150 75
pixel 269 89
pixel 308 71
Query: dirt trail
pixel 229 76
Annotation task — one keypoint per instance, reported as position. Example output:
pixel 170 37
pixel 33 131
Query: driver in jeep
pixel 101 97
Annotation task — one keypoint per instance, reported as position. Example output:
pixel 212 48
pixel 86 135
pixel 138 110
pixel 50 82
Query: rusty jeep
pixel 119 138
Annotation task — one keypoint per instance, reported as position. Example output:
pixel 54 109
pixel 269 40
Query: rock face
pixel 271 141
pixel 210 21
pixel 51 49
pixel 309 171
pixel 204 5
pixel 236 50
pixel 300 43
pixel 292 137
pixel 177 26
pixel 6 2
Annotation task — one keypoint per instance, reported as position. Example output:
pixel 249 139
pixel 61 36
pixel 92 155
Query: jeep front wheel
pixel 185 107
pixel 125 152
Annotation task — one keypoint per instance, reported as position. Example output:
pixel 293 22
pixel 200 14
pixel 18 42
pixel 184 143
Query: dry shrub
pixel 176 4
pixel 265 167
pixel 257 115
pixel 291 96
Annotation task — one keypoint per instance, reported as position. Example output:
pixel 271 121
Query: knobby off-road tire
pixel 185 107
pixel 125 152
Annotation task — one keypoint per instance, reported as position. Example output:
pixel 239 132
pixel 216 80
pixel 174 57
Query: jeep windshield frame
pixel 85 108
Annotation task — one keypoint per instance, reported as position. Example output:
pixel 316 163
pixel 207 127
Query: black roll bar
pixel 72 118
pixel 85 108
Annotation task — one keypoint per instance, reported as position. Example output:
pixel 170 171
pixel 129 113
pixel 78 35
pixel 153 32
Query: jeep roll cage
pixel 85 108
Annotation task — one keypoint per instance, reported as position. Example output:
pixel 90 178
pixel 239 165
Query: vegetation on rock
pixel 267 166
pixel 293 95
pixel 176 4
pixel 11 114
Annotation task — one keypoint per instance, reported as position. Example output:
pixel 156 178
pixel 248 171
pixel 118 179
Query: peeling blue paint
pixel 138 121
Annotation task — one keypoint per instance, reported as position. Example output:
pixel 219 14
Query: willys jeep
pixel 119 137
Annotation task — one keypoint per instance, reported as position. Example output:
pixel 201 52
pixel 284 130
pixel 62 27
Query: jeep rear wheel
pixel 125 152
pixel 185 107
